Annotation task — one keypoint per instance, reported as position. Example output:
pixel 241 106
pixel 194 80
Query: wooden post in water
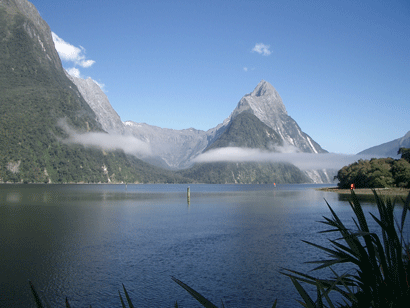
pixel 188 195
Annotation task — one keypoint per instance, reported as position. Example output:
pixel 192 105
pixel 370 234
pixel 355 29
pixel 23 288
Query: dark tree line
pixel 377 173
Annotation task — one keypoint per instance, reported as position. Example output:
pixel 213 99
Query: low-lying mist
pixel 304 161
pixel 108 142
pixel 284 154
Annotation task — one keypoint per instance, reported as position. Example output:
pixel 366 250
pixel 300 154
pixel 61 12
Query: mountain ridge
pixel 388 149
pixel 175 149
pixel 37 95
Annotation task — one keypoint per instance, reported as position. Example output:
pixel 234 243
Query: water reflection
pixel 83 241
pixel 13 197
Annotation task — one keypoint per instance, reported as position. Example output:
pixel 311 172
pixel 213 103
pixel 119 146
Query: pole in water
pixel 188 195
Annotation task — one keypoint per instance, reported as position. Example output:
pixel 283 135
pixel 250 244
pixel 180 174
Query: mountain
pixel 247 131
pixel 388 149
pixel 44 115
pixel 266 104
pixel 245 173
pixel 99 103
pixel 260 120
pixel 35 98
pixel 172 148
pixel 260 112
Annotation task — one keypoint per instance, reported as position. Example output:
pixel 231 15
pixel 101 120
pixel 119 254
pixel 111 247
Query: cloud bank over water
pixel 304 161
pixel 108 142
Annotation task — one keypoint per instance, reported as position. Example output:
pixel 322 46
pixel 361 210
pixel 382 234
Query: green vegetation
pixel 35 94
pixel 244 173
pixel 246 130
pixel 380 267
pixel 377 173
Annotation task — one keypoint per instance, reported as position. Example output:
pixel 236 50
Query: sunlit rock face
pixel 99 103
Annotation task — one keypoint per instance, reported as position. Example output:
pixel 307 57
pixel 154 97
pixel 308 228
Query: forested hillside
pixel 245 173
pixel 35 94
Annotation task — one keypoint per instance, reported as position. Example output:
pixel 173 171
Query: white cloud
pixel 87 63
pixel 112 142
pixel 75 72
pixel 262 49
pixel 245 69
pixel 70 53
pixel 108 142
pixel 304 161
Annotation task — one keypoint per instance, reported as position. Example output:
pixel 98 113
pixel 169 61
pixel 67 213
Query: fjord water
pixel 229 243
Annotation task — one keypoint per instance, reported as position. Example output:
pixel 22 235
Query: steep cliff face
pixel 99 103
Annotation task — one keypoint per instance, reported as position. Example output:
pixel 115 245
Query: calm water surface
pixel 84 241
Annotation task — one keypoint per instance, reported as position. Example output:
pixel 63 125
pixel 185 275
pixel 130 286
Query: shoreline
pixel 369 191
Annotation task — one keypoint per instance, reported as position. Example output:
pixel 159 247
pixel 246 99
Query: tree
pixel 401 173
pixel 405 153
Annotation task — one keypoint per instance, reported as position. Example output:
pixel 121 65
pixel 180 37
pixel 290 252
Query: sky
pixel 342 68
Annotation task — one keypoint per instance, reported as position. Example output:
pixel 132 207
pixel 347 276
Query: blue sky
pixel 342 68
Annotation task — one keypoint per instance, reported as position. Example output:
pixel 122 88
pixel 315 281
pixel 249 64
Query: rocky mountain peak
pixel 264 88
pixel 264 102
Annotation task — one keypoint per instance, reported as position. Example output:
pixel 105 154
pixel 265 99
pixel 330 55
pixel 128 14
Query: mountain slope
pixel 260 120
pixel 99 103
pixel 388 149
pixel 247 131
pixel 175 149
pixel 266 104
pixel 171 148
pixel 35 95
pixel 245 173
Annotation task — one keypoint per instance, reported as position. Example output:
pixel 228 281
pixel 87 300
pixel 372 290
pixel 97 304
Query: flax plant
pixel 381 266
